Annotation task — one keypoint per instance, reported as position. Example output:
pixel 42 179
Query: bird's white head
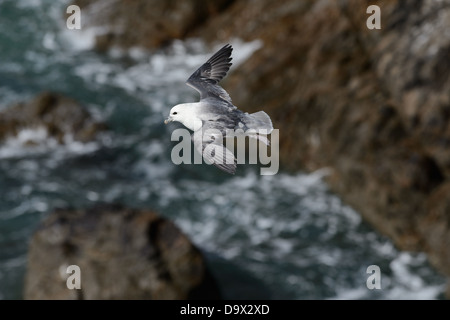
pixel 176 114
pixel 186 114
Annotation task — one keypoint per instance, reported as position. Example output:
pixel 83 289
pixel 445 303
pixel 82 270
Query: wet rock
pixel 435 226
pixel 59 116
pixel 122 254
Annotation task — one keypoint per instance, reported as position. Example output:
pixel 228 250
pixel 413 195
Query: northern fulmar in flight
pixel 215 117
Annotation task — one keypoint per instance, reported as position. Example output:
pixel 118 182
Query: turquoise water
pixel 281 237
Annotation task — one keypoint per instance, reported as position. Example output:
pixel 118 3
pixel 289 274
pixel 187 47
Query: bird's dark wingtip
pixel 226 50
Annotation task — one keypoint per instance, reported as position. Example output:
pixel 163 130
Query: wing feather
pixel 208 141
pixel 206 78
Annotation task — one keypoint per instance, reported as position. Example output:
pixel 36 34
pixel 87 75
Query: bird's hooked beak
pixel 169 119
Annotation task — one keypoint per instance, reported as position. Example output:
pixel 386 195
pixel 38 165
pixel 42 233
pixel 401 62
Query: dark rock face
pixel 58 115
pixel 122 254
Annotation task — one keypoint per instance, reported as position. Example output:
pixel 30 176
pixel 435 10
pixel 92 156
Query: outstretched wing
pixel 206 78
pixel 208 142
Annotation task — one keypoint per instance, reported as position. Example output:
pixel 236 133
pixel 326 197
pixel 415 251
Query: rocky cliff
pixel 121 254
pixel 373 105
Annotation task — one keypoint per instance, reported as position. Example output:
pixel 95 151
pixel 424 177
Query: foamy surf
pixel 37 141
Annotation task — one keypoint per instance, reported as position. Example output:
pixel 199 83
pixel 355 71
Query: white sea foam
pixel 26 139
pixel 35 141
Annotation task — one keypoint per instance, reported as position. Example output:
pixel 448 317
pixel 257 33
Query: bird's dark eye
pixel 174 113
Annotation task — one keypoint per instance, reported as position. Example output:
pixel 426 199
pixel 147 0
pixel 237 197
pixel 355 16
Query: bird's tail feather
pixel 258 125
pixel 259 121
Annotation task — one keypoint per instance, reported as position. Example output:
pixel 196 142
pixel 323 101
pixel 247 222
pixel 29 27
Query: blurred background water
pixel 281 237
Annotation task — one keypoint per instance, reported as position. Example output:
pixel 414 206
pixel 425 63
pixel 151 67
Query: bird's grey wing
pixel 208 142
pixel 206 78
